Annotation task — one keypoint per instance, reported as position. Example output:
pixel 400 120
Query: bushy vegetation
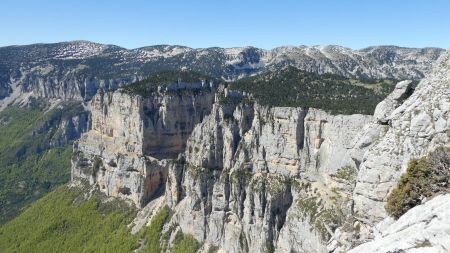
pixel 34 154
pixel 162 79
pixel 64 221
pixel 347 175
pixel 324 207
pixel 296 88
pixel 185 244
pixel 154 231
pixel 319 216
pixel 424 178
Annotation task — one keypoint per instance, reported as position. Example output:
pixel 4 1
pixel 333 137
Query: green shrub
pixel 319 216
pixel 154 231
pixel 347 174
pixel 185 244
pixel 213 249
pixel 424 178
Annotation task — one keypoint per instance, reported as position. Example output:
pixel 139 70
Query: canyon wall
pixel 249 178
pixel 129 132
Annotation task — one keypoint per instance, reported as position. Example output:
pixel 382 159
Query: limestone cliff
pixel 413 129
pixel 242 177
pixel 244 185
pixel 298 180
pixel 129 132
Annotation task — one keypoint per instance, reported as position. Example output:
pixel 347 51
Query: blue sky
pixel 228 23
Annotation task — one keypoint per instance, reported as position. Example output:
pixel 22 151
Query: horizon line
pixel 247 46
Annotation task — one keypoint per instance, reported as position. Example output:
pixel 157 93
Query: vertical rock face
pixel 416 127
pixel 238 182
pixel 328 141
pixel 128 132
pixel 241 165
pixel 256 179
pixel 158 125
pixel 401 92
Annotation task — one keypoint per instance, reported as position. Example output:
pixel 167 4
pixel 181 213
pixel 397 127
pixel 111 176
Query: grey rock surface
pixel 118 155
pixel 238 171
pixel 425 228
pixel 249 178
pixel 419 125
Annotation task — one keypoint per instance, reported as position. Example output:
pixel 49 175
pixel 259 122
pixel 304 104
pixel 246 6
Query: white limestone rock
pixel 424 228
pixel 419 125
pixel 128 131
pixel 235 190
pixel 401 92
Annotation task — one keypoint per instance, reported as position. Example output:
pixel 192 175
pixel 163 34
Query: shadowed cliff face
pixel 157 125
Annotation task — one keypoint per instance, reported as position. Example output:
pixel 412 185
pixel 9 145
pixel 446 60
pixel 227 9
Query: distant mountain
pixel 76 70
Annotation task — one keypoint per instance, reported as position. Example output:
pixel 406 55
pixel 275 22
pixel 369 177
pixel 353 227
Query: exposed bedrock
pixel 413 128
pixel 124 153
pixel 241 187
pixel 250 178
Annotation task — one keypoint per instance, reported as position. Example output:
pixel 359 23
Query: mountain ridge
pixel 76 70
pixel 190 47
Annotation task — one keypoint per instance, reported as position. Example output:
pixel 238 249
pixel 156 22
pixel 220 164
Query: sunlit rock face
pixel 257 179
pixel 241 184
pixel 131 135
pixel 249 178
pixel 413 129
pixel 424 228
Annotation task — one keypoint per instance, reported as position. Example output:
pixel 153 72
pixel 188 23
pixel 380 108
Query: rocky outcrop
pixel 238 172
pixel 401 92
pixel 424 228
pixel 416 127
pixel 128 133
